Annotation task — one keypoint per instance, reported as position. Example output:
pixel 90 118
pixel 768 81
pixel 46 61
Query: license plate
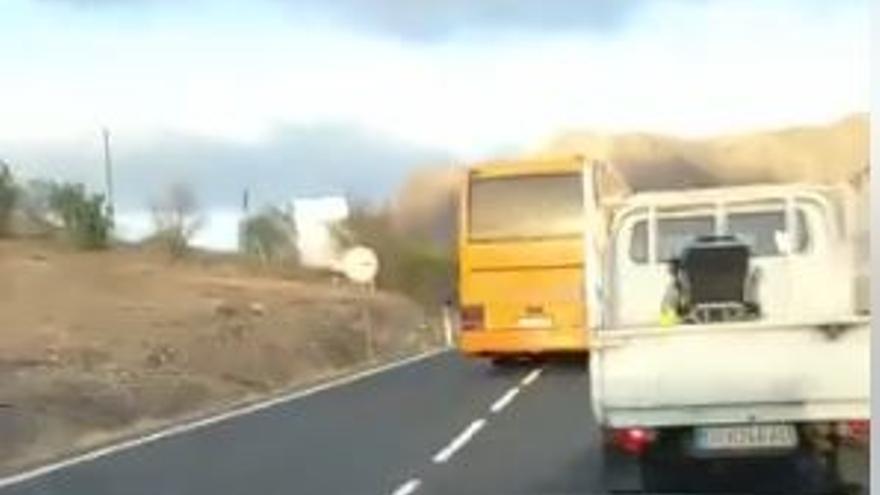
pixel 746 437
pixel 535 322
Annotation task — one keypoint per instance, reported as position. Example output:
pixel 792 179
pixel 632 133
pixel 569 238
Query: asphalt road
pixel 440 425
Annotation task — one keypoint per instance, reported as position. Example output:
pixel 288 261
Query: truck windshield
pixel 673 234
pixel 763 231
pixel 525 207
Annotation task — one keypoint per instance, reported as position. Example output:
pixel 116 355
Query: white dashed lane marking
pixel 458 442
pixel 408 487
pixel 504 400
pixel 445 454
pixel 531 377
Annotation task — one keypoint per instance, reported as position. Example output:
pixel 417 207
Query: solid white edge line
pixel 505 399
pixel 531 377
pixel 201 423
pixel 458 442
pixel 409 487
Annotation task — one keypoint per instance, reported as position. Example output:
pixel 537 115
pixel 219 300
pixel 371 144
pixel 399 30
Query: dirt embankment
pixel 99 344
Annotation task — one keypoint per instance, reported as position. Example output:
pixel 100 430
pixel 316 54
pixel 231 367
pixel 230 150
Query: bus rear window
pixel 525 207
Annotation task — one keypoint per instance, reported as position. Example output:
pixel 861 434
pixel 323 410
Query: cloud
pixel 433 19
pixel 229 77
pixel 293 161
pixel 106 3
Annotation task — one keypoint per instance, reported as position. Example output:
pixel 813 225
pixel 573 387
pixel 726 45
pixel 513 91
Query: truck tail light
pixel 857 430
pixel 472 317
pixel 634 441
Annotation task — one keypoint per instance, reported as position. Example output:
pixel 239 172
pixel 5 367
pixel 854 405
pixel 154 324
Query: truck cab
pixel 789 382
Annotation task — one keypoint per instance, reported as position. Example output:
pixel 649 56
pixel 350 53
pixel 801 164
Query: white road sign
pixel 360 264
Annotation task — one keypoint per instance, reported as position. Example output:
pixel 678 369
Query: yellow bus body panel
pixel 522 280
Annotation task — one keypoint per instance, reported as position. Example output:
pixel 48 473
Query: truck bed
pixel 732 373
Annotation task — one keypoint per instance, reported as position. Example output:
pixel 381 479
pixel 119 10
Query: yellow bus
pixel 521 258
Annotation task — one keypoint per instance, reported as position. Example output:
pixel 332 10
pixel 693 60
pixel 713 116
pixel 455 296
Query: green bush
pixel 8 196
pixel 269 236
pixel 177 218
pixel 33 201
pixel 83 215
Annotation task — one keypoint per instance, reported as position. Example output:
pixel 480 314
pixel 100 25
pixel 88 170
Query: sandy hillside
pixel 95 344
pixel 825 153
pixel 425 204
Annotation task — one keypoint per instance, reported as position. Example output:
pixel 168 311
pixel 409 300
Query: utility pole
pixel 108 173
pixel 245 202
pixel 245 208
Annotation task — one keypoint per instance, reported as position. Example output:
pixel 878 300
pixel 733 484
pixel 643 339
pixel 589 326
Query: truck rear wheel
pixel 621 473
pixel 851 470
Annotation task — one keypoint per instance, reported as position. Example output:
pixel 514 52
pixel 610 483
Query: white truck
pixel 766 365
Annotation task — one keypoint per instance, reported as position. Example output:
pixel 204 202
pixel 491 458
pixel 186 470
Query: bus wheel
pixel 504 361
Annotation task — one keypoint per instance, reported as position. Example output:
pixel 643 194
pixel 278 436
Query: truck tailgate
pixel 729 373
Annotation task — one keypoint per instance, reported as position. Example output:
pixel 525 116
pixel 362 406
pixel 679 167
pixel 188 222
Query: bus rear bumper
pixel 490 343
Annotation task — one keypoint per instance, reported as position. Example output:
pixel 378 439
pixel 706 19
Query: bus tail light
pixel 633 441
pixel 472 317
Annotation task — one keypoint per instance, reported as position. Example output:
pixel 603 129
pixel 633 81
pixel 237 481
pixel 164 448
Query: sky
pixel 312 97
